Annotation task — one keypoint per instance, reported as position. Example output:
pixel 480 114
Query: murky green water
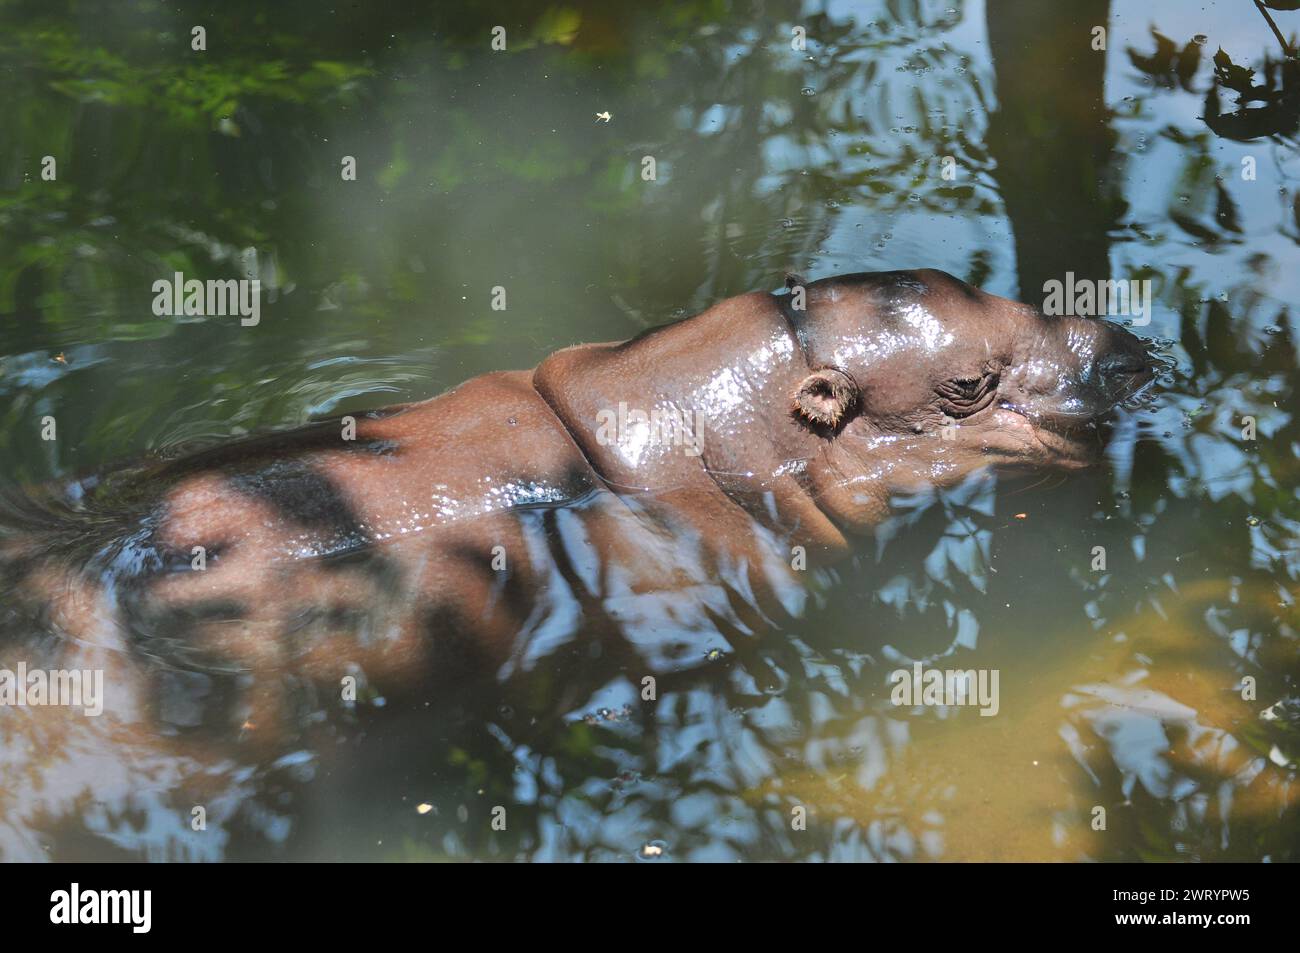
pixel 1120 689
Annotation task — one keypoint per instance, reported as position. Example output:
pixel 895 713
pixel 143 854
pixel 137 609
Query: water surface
pixel 1120 689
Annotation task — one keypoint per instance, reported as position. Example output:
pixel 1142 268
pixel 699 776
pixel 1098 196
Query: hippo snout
pixel 1079 370
pixel 1123 365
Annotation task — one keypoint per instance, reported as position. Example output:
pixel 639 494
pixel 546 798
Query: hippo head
pixel 937 378
pixel 815 407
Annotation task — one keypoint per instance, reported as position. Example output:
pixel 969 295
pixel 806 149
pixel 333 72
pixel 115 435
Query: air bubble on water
pixel 1200 39
pixel 1252 520
pixel 808 91
pixel 1184 199
pixel 787 223
pixel 652 850
pixel 1272 329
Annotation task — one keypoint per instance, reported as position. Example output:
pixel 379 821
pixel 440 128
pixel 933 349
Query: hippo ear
pixel 825 399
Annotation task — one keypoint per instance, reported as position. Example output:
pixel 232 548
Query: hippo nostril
pixel 1121 365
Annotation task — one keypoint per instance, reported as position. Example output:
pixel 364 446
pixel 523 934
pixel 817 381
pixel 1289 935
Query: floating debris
pixel 601 715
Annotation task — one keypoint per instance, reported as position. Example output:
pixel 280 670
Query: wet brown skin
pixel 372 554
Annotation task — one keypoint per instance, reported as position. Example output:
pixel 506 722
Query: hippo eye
pixel 963 396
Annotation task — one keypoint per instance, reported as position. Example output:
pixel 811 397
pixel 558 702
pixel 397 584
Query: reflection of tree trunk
pixel 1051 139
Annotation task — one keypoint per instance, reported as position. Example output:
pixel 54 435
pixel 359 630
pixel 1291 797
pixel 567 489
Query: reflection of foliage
pixel 187 93
pixel 1168 65
pixel 1171 67
pixel 1279 93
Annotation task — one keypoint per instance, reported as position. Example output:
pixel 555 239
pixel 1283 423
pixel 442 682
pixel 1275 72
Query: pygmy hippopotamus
pixel 640 481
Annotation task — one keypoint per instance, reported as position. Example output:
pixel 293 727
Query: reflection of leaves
pixel 1239 79
pixel 1225 209
pixel 185 91
pixel 1168 65
pixel 1280 93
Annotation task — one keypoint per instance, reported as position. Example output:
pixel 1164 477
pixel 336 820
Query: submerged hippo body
pixel 617 492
